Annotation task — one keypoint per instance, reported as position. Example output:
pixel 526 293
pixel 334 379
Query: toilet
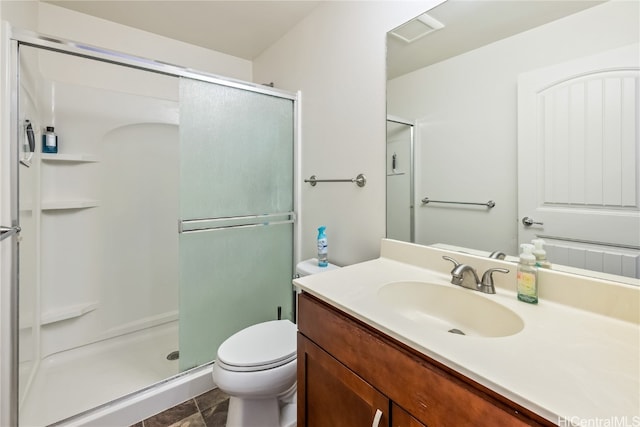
pixel 256 367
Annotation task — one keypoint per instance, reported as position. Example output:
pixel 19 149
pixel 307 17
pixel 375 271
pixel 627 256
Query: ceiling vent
pixel 417 28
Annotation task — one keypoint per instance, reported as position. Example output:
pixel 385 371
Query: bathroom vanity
pixel 372 349
pixel 353 371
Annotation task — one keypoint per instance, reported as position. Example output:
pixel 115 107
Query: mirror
pixel 458 84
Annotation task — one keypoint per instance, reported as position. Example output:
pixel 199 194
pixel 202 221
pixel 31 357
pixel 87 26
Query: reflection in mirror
pixel 400 179
pixel 469 87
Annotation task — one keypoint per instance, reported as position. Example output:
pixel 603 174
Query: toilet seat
pixel 259 347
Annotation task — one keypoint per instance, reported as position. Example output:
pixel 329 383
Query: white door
pixel 578 161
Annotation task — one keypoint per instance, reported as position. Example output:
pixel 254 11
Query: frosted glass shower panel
pixel 230 279
pixel 236 205
pixel 237 151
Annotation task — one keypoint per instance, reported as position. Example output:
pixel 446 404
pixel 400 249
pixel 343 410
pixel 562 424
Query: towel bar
pixel 360 180
pixel 488 204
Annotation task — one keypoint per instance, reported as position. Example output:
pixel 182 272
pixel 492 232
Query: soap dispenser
pixel 527 285
pixel 540 254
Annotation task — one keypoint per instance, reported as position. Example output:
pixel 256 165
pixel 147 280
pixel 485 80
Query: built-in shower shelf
pixel 26 320
pixel 69 204
pixel 79 158
pixel 65 313
pixel 26 207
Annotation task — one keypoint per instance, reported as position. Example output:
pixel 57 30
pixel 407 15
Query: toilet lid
pixel 261 346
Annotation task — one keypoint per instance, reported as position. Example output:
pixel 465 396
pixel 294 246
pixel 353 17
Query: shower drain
pixel 174 355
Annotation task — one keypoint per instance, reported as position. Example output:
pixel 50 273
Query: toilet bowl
pixel 257 368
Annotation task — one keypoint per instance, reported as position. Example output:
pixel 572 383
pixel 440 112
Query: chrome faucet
pixel 486 285
pixel 497 255
pixel 464 275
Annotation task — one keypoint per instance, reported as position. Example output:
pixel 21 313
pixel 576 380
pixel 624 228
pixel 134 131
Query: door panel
pixel 231 278
pixel 236 152
pixel 236 209
pixel 578 166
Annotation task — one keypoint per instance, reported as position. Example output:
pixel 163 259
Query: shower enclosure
pixel 400 179
pixel 163 224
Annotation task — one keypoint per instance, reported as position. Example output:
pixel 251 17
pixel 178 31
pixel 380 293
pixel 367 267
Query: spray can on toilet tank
pixel 322 247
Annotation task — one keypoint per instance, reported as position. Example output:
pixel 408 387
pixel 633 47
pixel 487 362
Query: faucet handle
pixel 487 280
pixel 455 263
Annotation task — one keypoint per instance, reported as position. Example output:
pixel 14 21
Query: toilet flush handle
pixel 376 418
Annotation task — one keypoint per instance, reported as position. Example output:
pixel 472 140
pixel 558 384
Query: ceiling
pixel 241 28
pixel 246 28
pixel 470 24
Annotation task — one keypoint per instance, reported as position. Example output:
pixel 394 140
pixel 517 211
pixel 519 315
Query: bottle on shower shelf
pixel 49 141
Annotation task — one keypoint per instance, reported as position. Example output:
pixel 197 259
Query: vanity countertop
pixel 569 364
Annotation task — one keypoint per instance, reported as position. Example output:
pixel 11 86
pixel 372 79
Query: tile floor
pixel 207 410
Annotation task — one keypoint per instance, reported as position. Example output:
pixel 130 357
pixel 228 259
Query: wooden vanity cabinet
pixel 348 370
pixel 401 418
pixel 335 395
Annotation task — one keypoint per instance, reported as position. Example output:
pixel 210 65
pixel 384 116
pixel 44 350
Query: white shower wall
pixel 103 210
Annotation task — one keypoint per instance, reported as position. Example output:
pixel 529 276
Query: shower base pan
pixel 75 381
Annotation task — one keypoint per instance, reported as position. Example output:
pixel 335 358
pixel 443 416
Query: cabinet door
pixel 401 418
pixel 329 394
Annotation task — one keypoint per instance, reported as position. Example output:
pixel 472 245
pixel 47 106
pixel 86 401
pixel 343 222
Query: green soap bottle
pixel 527 285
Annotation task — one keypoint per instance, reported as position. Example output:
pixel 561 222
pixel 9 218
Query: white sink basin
pixel 450 309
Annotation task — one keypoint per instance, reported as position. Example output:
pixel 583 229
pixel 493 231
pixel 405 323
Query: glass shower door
pixel 236 214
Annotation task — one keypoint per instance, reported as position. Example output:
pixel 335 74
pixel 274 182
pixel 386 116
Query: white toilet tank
pixel 307 268
pixel 310 266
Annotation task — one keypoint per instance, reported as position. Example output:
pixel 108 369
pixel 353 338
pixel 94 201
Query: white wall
pixel 468 109
pixel 337 58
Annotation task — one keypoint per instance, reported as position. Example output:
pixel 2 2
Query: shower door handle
pixel 8 231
